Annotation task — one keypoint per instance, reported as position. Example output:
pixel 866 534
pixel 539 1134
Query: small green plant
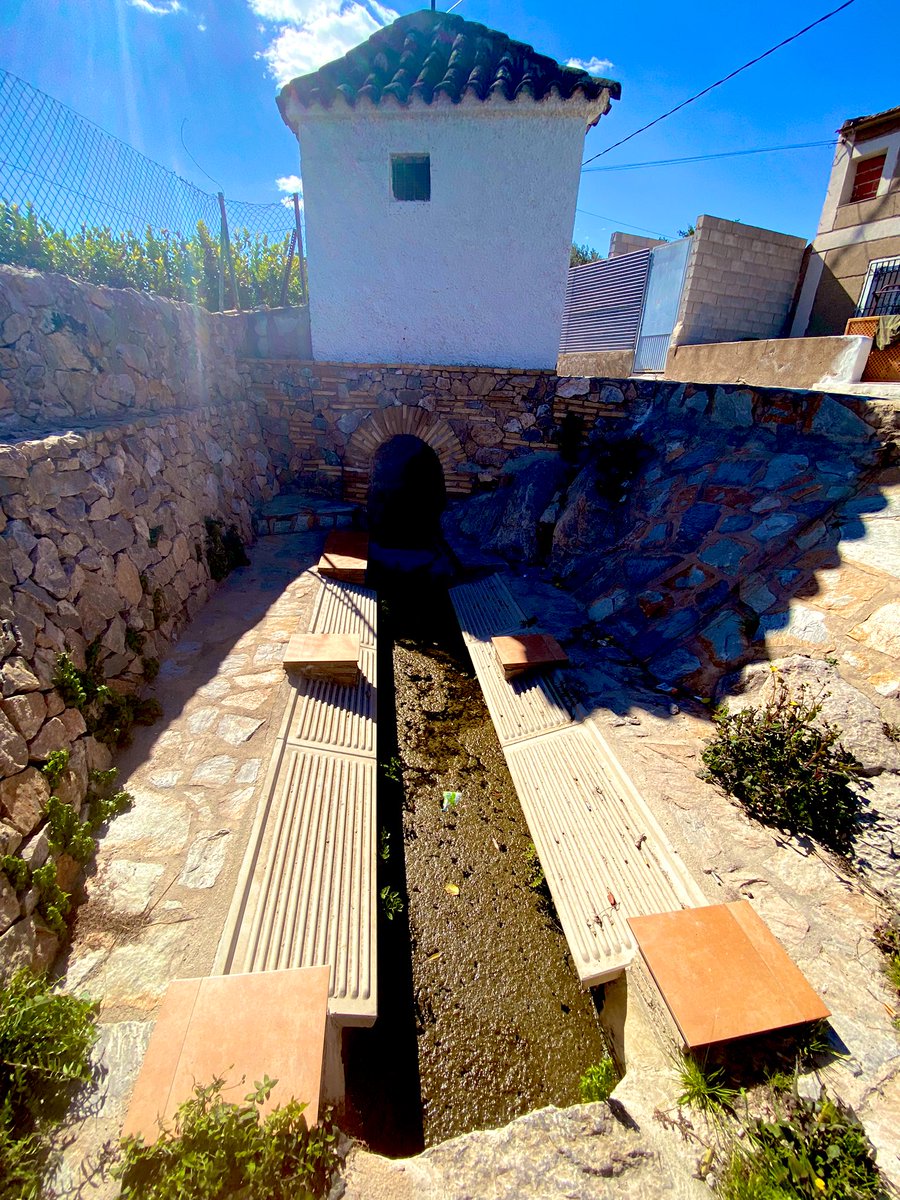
pixel 160 608
pixel 786 770
pixel 216 1149
pixel 150 667
pixel 53 902
pixel 67 681
pixel 45 1042
pixel 391 901
pixel 537 881
pixel 703 1087
pixel 16 871
pixel 810 1149
pixel 598 1080
pixel 392 769
pixel 134 640
pixel 55 767
pixel 891 732
pixel 887 939
pixel 66 832
pixel 224 549
pixel 384 846
pixel 153 536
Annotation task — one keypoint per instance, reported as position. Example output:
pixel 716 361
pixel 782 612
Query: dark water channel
pixel 481 1015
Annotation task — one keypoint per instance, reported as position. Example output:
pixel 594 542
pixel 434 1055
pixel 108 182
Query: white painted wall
pixel 477 275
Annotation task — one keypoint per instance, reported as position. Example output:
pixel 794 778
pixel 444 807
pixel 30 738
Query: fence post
pixel 304 282
pixel 221 251
pixel 226 245
pixel 286 278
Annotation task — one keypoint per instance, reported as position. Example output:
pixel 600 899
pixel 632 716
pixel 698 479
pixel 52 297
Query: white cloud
pixel 290 183
pixel 593 66
pixel 313 32
pixel 201 27
pixel 164 8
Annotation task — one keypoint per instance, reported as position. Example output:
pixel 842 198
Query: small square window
pixel 867 178
pixel 411 176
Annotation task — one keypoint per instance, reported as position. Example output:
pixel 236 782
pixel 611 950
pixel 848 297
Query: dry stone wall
pixel 102 526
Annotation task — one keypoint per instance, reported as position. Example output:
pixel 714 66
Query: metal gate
pixel 603 304
pixel 667 267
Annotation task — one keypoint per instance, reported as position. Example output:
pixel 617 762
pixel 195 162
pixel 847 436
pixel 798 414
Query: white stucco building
pixel 440 164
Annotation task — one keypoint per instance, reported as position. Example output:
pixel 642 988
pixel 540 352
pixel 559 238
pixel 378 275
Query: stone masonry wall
pixel 739 283
pixel 102 524
pixel 313 416
pixel 75 352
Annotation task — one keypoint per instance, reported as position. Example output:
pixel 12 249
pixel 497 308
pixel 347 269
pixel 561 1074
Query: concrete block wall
pixel 739 283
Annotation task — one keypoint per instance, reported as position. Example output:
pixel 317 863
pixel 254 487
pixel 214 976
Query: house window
pixel 881 291
pixel 411 176
pixel 867 178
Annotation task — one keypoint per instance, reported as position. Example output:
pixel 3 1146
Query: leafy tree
pixel 583 253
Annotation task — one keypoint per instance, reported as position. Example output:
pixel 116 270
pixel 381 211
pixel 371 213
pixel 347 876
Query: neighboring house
pixel 854 264
pixel 441 164
pixel 726 282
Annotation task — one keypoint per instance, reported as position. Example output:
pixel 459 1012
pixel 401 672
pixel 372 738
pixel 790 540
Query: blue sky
pixel 139 68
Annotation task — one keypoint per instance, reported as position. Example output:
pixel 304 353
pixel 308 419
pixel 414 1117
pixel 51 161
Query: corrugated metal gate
pixel 603 304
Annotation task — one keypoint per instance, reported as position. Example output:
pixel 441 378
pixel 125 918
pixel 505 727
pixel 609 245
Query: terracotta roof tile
pixel 427 55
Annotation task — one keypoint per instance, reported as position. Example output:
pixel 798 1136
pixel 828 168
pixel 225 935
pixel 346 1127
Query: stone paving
pixel 158 896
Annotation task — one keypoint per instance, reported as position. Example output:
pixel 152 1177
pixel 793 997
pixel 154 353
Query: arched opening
pixel 406 494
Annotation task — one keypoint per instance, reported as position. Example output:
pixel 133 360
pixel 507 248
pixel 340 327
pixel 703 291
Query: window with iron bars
pixel 881 291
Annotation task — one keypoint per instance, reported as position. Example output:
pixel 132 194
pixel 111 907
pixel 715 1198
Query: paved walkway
pixel 166 871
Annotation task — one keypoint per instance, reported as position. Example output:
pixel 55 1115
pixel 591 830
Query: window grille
pixel 411 176
pixel 881 291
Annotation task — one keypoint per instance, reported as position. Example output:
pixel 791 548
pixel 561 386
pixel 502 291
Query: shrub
pixel 787 771
pixel 810 1149
pixel 53 902
pixel 45 1042
pixel 55 767
pixel 109 714
pixel 217 1149
pixel 224 549
pixel 703 1087
pixel 598 1080
pixel 66 833
pixel 392 902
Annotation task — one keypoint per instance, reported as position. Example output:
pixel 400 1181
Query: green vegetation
pixel 168 264
pixel 55 767
pixel 384 845
pixel 887 939
pixel 16 871
pixel 224 549
pixel 810 1149
pixel 45 1043
pixel 787 771
pixel 891 732
pixel 53 903
pixel 583 253
pixel 392 769
pixel 391 901
pixel 66 832
pixel 216 1149
pixel 703 1087
pixel 109 714
pixel 598 1080
pixel 537 881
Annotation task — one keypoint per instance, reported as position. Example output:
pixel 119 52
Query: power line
pixel 719 82
pixel 612 220
pixel 670 162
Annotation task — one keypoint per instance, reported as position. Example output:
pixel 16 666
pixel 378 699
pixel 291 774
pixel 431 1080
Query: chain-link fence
pixel 76 199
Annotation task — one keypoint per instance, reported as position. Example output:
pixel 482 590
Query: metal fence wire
pixel 76 176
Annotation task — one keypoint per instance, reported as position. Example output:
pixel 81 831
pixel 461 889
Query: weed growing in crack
pixel 598 1080
pixel 787 769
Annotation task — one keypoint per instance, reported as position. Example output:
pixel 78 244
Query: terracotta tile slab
pixel 330 656
pixel 528 652
pixel 241 1027
pixel 723 974
pixel 346 556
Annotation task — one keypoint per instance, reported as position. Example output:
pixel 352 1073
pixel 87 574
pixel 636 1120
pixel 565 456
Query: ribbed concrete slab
pixel 604 855
pixel 321 713
pixel 306 893
pixel 346 608
pixel 311 900
pixel 519 708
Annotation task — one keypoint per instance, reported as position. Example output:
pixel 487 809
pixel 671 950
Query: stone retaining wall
pixel 75 352
pixel 102 542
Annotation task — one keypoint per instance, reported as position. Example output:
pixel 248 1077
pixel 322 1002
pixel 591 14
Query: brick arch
pixel 380 427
